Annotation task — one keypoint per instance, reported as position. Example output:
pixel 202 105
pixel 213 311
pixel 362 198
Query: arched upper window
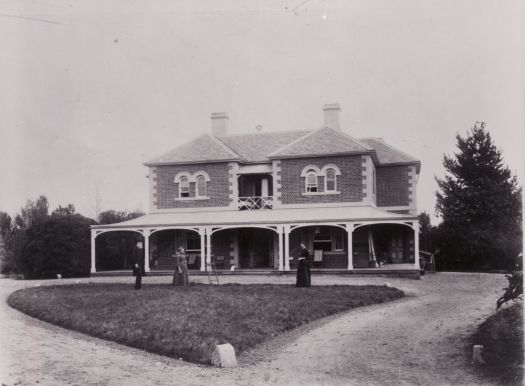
pixel 311 182
pixel 200 183
pixel 330 181
pixel 184 187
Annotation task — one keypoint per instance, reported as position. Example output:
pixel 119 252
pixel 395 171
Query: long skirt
pixel 181 278
pixel 303 274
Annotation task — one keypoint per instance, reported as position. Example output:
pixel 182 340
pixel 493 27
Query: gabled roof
pixel 256 147
pixel 388 154
pixel 205 148
pixel 321 142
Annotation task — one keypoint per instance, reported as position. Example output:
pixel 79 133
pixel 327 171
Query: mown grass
pixel 187 322
pixel 502 338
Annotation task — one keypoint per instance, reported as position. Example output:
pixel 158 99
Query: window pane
pixel 311 182
pixel 339 239
pixel 184 187
pixel 201 186
pixel 193 242
pixel 330 180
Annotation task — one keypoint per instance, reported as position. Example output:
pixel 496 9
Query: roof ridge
pixel 263 133
pixel 365 147
pixel 294 141
pixel 353 139
pixel 155 160
pixel 224 146
pixel 396 149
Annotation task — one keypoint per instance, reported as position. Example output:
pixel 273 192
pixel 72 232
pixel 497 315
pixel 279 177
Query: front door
pixel 397 250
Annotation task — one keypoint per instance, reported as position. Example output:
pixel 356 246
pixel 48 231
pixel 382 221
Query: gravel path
pixel 420 339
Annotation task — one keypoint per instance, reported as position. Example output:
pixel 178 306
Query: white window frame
pixel 192 178
pixel 181 192
pixel 197 193
pixel 309 186
pixel 334 179
pixel 313 169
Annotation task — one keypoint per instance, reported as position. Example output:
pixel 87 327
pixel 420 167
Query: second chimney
pixel 331 115
pixel 219 124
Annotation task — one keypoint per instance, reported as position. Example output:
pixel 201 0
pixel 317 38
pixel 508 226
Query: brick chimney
pixel 219 124
pixel 331 115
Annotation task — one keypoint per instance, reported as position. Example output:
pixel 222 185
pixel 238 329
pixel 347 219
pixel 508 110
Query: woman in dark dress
pixel 180 276
pixel 303 268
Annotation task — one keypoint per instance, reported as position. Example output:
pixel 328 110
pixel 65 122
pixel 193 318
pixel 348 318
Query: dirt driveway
pixel 420 339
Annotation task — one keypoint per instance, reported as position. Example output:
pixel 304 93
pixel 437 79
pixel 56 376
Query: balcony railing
pixel 252 203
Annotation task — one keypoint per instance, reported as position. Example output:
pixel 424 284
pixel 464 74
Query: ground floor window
pixel 339 239
pixel 322 238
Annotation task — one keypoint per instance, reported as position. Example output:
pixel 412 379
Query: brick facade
pixel 393 184
pixel 165 190
pixel 349 183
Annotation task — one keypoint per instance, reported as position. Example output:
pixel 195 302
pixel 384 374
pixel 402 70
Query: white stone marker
pixel 224 356
pixel 477 350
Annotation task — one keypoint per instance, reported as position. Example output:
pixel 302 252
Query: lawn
pixel 188 322
pixel 502 338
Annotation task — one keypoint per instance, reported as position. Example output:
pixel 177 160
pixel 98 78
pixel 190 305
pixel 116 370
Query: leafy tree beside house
pixel 427 233
pixel 479 201
pixel 13 231
pixel 58 245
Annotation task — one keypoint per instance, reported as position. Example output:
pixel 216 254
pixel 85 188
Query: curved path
pixel 421 339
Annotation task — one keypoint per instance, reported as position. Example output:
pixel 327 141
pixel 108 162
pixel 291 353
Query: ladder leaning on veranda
pixel 212 271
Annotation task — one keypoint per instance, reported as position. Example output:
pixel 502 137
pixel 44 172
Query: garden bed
pixel 188 322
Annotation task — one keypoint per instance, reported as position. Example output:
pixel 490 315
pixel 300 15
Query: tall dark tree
pixel 479 201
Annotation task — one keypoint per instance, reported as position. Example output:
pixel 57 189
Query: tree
pixel 59 245
pixel 32 212
pixel 7 229
pixel 64 210
pixel 479 201
pixel 426 233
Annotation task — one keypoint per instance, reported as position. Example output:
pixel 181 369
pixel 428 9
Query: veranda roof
pixel 246 218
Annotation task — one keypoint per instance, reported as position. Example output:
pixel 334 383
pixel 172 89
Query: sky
pixel 91 90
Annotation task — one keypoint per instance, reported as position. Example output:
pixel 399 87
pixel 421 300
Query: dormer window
pixel 200 183
pixel 311 182
pixel 184 187
pixel 330 181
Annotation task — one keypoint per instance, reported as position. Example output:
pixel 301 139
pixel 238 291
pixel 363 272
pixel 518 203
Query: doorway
pixel 255 248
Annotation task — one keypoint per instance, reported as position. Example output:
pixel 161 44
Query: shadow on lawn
pixel 187 322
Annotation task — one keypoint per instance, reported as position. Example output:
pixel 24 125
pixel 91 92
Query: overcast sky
pixel 92 89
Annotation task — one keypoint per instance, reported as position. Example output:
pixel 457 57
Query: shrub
pixel 59 245
pixel 514 290
pixel 502 337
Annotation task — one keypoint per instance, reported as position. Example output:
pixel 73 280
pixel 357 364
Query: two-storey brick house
pixel 249 200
